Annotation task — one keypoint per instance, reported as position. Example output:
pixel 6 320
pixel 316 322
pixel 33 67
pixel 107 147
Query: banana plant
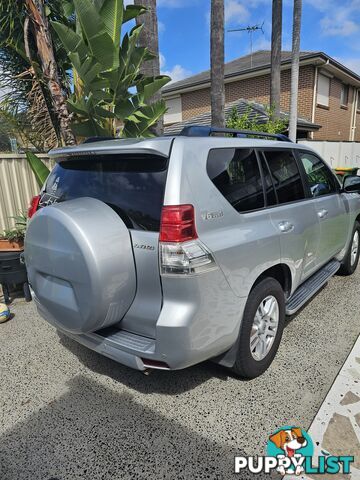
pixel 40 170
pixel 115 93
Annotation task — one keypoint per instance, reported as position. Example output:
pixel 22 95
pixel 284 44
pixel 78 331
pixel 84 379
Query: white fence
pixel 337 154
pixel 17 186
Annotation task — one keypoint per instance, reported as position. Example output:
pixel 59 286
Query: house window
pixel 323 90
pixel 344 96
pixel 174 112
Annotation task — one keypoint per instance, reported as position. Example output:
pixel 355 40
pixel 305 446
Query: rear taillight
pixel 33 206
pixel 177 223
pixel 181 252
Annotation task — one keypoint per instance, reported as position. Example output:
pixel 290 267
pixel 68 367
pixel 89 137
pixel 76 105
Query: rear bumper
pixel 123 347
pixel 200 326
pixel 175 349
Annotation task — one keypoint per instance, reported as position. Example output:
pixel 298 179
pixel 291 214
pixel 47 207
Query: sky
pixel 331 26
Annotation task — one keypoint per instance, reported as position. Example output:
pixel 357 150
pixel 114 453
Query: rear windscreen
pixel 132 185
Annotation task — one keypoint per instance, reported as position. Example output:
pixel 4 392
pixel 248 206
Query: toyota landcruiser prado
pixel 165 252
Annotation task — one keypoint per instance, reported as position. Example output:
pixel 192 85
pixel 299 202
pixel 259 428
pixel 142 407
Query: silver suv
pixel 162 253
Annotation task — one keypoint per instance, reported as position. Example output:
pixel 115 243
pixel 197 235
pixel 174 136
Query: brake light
pixel 34 204
pixel 177 223
pixel 181 252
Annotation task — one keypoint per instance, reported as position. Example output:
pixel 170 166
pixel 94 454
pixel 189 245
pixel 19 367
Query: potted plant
pixel 12 240
pixel 12 269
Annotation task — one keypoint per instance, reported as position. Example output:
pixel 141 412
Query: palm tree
pixel 275 86
pixel 26 106
pixel 41 34
pixel 217 64
pixel 295 69
pixel 149 38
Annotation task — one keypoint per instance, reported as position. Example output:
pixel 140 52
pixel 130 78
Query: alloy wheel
pixel 264 328
pixel 355 247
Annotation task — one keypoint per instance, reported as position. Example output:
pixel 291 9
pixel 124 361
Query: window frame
pixel 253 149
pixel 299 151
pixel 344 86
pixel 319 104
pixel 305 183
pixel 301 172
pixel 259 154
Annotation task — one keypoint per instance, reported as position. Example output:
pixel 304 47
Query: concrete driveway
pixel 67 413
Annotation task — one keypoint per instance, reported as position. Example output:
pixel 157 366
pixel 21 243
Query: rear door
pixel 294 215
pixel 133 186
pixel 329 204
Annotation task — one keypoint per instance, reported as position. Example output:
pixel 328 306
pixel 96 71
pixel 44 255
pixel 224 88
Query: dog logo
pixel 290 450
pixel 290 442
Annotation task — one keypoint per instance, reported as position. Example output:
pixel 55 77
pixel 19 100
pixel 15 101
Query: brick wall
pixel 194 103
pixel 357 130
pixel 256 89
pixel 335 119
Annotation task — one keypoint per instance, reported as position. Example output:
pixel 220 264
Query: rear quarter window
pixel 130 184
pixel 236 174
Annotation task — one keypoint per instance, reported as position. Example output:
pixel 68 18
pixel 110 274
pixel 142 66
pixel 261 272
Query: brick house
pixel 328 93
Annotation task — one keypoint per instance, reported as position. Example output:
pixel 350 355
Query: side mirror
pixel 351 184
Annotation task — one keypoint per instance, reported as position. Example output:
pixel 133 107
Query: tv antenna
pixel 250 29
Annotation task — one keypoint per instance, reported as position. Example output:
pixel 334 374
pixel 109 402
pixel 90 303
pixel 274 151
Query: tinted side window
pixel 236 174
pixel 269 186
pixel 320 180
pixel 286 175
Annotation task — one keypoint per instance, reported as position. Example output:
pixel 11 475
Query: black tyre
pixel 6 294
pixel 351 260
pixel 27 293
pixel 261 329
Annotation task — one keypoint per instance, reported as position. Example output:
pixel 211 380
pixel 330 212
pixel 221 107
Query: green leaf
pixel 71 40
pixel 102 112
pixel 68 8
pixel 141 129
pixel 90 128
pixel 133 118
pixel 154 85
pixel 124 108
pixel 112 15
pixel 132 11
pixel 90 20
pixel 37 166
pixel 89 71
pixel 103 50
pixel 78 107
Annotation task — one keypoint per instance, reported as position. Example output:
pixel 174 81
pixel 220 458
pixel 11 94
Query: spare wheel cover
pixel 80 264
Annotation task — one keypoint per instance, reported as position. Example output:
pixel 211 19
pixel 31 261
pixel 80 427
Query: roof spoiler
pixel 203 131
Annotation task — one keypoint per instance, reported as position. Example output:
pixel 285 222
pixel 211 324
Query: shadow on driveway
pixel 92 432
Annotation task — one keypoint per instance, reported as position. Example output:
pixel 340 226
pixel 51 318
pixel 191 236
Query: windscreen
pixel 132 185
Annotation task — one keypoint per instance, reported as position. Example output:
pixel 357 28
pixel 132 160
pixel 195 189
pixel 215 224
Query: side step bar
pixel 310 287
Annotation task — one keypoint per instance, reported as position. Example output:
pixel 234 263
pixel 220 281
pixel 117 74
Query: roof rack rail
pixel 97 139
pixel 204 131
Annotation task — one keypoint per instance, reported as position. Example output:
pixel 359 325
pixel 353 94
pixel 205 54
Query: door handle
pixel 286 227
pixel 323 213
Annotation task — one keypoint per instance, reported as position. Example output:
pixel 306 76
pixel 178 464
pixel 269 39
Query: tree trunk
pixel 275 87
pixel 295 70
pixel 149 38
pixel 217 64
pixel 49 68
